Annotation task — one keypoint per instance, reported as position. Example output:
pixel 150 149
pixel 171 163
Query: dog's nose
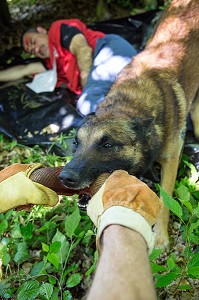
pixel 69 179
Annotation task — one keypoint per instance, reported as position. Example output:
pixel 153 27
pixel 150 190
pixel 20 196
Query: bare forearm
pixel 124 270
pixel 83 52
pixel 18 72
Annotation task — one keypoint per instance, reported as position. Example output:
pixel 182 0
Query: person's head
pixel 35 41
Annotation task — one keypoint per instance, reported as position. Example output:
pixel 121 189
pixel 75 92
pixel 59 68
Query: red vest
pixel 67 68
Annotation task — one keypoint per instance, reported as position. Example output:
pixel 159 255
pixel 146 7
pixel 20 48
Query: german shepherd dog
pixel 143 117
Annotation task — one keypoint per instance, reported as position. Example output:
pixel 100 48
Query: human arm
pixel 73 40
pixel 124 209
pixel 83 52
pixel 123 270
pixel 20 71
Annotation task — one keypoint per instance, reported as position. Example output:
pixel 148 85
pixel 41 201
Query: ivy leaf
pixel 72 222
pixel 170 203
pixel 28 290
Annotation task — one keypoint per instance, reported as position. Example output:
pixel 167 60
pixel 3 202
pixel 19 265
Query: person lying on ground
pixel 87 61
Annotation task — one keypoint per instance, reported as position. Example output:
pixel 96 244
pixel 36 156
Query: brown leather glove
pixel 125 200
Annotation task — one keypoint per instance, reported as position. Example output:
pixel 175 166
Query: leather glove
pixel 19 190
pixel 125 200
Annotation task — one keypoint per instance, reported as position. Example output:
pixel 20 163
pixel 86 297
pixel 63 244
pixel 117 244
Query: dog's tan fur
pixel 147 107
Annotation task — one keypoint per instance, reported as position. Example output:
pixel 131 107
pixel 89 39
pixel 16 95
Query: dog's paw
pixel 162 240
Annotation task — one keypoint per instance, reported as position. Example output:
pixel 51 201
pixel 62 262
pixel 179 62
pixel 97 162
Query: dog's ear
pixel 141 124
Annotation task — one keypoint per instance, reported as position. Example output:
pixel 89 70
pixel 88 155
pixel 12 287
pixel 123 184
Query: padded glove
pixel 125 200
pixel 18 190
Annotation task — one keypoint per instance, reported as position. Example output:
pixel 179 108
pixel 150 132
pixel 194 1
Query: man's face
pixel 37 44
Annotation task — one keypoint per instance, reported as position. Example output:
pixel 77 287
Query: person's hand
pixel 125 200
pixel 17 189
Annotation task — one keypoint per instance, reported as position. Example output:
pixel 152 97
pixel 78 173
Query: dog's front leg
pixel 169 169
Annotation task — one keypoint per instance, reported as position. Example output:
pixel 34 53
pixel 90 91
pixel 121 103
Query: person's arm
pixel 124 209
pixel 83 52
pixel 73 40
pixel 123 271
pixel 20 71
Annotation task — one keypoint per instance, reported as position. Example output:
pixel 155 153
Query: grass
pixel 50 253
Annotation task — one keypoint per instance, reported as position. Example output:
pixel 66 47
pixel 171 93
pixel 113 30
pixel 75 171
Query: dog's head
pixel 105 145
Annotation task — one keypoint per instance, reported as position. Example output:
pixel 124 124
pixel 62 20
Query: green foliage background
pixel 50 253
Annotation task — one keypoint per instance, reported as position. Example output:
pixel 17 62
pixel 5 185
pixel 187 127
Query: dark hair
pixel 29 30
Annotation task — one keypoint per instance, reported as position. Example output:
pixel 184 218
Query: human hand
pixel 125 200
pixel 17 189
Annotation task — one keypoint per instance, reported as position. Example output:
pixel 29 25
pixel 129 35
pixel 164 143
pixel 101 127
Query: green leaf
pixel 155 253
pixel 73 280
pixel 194 238
pixel 45 247
pixel 52 280
pixel 196 211
pixel 170 263
pixel 70 269
pixel 93 267
pixel 37 268
pixel 26 231
pixel 165 280
pixel 71 223
pixel 170 203
pixel 185 287
pixel 53 259
pixel 22 253
pixel 6 259
pixel 63 251
pixel 46 290
pixel 194 271
pixel 193 226
pixel 183 193
pixel 28 290
pixel 3 226
pixel 194 261
pixel 157 268
pixel 55 247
